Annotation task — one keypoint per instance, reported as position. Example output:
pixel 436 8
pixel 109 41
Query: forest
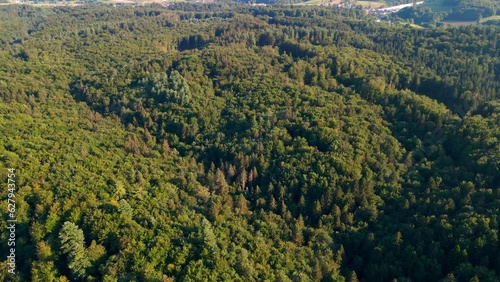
pixel 433 12
pixel 235 143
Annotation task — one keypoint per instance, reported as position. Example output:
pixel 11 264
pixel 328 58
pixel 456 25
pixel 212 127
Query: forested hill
pixel 199 143
pixel 457 12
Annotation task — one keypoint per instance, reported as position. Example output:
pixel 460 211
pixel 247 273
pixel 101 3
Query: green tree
pixel 73 245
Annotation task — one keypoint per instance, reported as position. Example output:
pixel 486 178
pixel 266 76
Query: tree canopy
pixel 238 143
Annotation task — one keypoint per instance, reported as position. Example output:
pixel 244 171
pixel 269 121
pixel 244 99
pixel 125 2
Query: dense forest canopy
pixel 462 11
pixel 233 143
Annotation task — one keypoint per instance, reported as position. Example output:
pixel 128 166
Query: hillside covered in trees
pixel 231 143
pixel 462 11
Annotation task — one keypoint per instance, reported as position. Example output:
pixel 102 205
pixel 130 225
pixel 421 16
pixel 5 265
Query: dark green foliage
pixel 232 143
pixel 459 10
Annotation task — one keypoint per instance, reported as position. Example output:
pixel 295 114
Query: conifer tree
pixel 73 245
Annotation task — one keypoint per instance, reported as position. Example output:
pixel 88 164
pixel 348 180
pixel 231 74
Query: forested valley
pixel 237 143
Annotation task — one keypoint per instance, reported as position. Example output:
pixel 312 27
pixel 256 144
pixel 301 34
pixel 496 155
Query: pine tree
pixel 298 236
pixel 272 203
pixel 221 184
pixel 73 244
pixel 210 248
pixel 231 171
pixel 242 179
pixel 125 208
pixel 120 191
pixel 242 205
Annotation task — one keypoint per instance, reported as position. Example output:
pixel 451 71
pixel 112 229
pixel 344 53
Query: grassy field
pixel 459 23
pixel 437 5
pixel 371 4
pixel 497 17
pixel 416 26
pixel 319 2
pixel 311 2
